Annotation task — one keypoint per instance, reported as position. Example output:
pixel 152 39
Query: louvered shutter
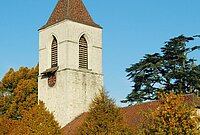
pixel 54 53
pixel 83 53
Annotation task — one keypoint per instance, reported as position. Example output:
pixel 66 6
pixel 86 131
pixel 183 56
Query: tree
pixel 18 92
pixel 25 97
pixel 104 118
pixel 12 78
pixel 7 125
pixel 20 112
pixel 37 121
pixel 171 70
pixel 173 116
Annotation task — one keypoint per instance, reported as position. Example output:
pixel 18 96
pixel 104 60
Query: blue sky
pixel 131 29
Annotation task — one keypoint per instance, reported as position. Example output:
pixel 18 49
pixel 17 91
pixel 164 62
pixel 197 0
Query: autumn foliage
pixel 173 116
pixel 38 121
pixel 104 118
pixel 19 92
pixel 7 126
pixel 20 112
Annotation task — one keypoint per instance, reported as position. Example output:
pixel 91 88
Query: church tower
pixel 70 61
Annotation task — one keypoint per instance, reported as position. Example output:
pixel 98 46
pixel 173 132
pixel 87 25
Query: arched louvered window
pixel 54 53
pixel 83 53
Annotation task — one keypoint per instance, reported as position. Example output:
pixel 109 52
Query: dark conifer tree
pixel 170 70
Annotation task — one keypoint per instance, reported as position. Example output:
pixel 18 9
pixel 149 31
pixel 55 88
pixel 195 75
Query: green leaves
pixel 171 70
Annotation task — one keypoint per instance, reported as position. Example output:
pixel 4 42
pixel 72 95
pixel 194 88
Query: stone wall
pixel 74 88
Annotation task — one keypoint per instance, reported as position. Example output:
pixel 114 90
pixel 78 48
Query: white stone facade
pixel 75 88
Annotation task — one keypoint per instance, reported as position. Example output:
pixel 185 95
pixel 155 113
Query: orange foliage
pixel 7 126
pixel 104 118
pixel 37 121
pixel 12 78
pixel 25 97
pixel 22 86
pixel 19 110
pixel 173 116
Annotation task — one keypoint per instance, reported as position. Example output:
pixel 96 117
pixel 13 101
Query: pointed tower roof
pixel 73 10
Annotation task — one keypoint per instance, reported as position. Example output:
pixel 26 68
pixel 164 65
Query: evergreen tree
pixel 104 118
pixel 171 70
pixel 173 117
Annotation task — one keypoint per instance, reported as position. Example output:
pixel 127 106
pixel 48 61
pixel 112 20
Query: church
pixel 70 61
pixel 70 67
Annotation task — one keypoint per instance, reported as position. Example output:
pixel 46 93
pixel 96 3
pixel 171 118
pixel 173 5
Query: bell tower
pixel 70 61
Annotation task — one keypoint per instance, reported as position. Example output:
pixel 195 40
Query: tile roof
pixel 134 115
pixel 73 10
